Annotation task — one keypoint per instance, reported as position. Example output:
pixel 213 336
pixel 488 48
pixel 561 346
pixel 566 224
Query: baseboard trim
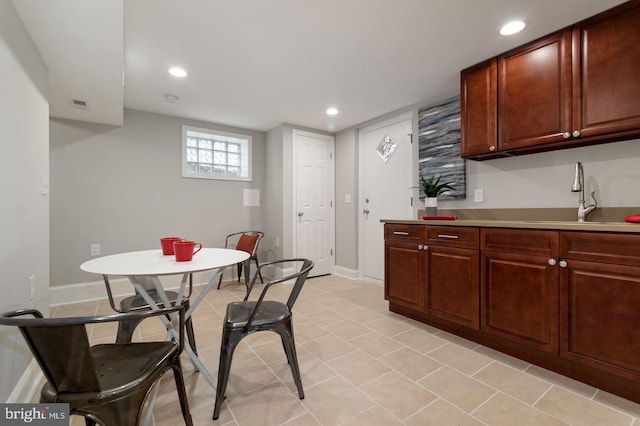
pixel 28 386
pixel 353 274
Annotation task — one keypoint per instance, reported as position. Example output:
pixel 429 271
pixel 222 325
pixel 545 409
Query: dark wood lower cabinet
pixel 520 299
pixel 404 283
pixel 567 301
pixel 453 291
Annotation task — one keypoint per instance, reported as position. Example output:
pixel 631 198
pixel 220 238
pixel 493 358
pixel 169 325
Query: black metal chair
pixel 108 384
pixel 137 303
pixel 248 241
pixel 247 317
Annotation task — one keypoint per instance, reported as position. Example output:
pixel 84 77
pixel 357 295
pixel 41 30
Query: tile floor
pixel 362 365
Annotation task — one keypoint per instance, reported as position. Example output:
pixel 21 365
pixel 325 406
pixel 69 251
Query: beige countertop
pixel 532 224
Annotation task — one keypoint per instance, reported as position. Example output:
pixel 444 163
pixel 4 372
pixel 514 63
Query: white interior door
pixel 314 197
pixel 384 187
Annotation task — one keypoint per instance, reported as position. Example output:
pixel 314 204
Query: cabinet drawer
pixel 394 231
pixel 620 249
pixel 527 241
pixel 453 236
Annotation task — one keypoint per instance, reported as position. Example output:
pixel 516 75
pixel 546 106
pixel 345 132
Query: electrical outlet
pixel 479 195
pixel 32 287
pixel 95 249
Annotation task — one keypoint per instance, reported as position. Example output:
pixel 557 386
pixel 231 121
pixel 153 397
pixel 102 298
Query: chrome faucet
pixel 578 186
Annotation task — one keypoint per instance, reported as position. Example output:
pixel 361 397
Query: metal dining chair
pixel 137 303
pixel 248 241
pixel 248 317
pixel 108 384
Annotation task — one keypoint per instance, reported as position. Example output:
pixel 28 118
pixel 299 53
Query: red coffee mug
pixel 184 250
pixel 167 244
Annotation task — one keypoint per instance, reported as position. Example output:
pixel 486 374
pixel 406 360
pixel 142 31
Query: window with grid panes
pixel 213 154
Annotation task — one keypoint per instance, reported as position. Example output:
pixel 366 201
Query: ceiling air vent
pixel 80 104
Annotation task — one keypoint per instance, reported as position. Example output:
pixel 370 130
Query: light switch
pixel 479 195
pixel 347 198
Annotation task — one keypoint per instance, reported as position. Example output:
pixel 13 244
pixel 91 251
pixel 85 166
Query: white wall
pixel 544 179
pixel 347 214
pixel 24 211
pixel 121 187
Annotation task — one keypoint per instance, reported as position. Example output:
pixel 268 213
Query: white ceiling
pixel 258 63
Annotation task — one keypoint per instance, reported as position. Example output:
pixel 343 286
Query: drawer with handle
pixel 403 232
pixel 453 236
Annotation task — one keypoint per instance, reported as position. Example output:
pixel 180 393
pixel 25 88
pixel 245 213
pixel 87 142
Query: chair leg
pixel 182 392
pixel 255 259
pixel 247 272
pixel 229 342
pixel 288 341
pixel 239 266
pixel 220 280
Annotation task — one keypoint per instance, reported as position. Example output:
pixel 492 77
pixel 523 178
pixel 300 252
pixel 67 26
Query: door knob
pixel 300 214
pixel 365 211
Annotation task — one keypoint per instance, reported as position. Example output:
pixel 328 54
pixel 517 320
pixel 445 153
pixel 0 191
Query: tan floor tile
pixel 329 347
pixel 347 329
pixel 460 341
pixel 562 381
pixel 419 340
pixel 375 416
pixel 306 331
pixel 75 310
pixel 105 331
pixel 410 363
pixel 358 367
pixel 271 405
pixel 306 419
pixel 362 315
pixel 336 401
pixel 624 405
pixel 460 358
pixel 398 395
pixel 375 344
pixel 312 372
pixel 247 376
pixel 342 305
pixel 522 386
pixel 457 388
pixel 502 410
pixel 441 413
pixel 578 410
pixel 325 317
pixel 388 326
pixel 511 361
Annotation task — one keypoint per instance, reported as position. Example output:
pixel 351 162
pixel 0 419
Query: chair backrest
pixel 245 240
pixel 300 276
pixel 61 345
pixel 61 348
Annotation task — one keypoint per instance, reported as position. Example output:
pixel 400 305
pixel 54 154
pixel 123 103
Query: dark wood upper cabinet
pixel 606 73
pixel 534 98
pixel 576 87
pixel 478 98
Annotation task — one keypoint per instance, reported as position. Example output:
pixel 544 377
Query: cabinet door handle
pixel 552 261
pixel 452 237
pixel 420 246
pixel 426 247
pixel 566 135
pixel 563 263
pixel 492 148
pixel 400 233
pixel 576 133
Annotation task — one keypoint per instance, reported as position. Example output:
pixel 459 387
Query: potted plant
pixel 432 187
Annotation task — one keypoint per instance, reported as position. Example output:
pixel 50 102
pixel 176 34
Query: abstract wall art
pixel 439 146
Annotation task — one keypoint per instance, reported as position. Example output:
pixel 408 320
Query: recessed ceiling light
pixel 512 27
pixel 177 72
pixel 332 111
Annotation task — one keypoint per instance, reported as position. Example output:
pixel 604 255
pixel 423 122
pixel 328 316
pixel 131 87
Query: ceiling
pixel 258 63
